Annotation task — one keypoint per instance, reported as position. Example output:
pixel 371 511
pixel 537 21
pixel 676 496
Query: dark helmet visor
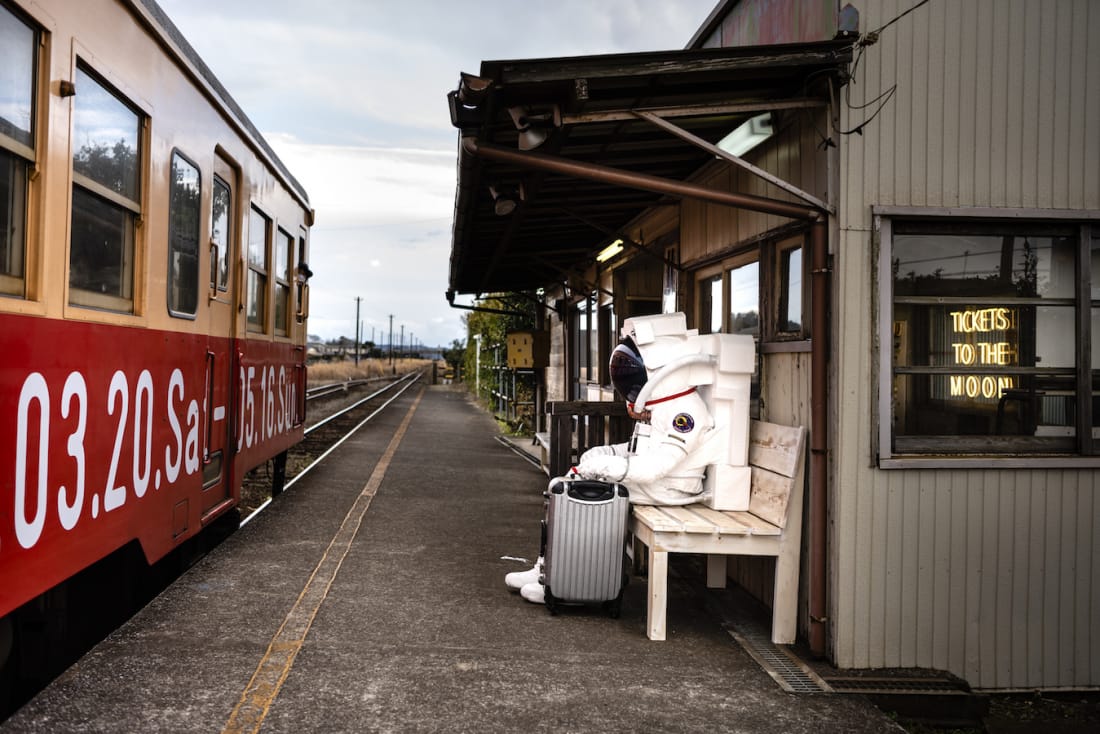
pixel 627 370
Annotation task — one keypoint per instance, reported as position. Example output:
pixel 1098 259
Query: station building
pixel 900 201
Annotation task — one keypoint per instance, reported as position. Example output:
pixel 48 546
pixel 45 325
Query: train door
pixel 224 241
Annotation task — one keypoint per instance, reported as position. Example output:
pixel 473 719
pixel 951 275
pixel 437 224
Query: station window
pixel 728 300
pixel 744 305
pixel 284 249
pixel 106 196
pixel 221 204
pixel 259 232
pixel 18 59
pixel 788 319
pixel 991 337
pixel 184 206
pixel 583 326
pixel 593 334
pixel 710 304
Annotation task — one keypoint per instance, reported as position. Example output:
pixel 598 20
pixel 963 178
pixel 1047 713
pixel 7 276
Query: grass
pixel 324 373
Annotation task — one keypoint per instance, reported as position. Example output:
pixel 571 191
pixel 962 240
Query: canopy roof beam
pixel 736 160
pixel 643 181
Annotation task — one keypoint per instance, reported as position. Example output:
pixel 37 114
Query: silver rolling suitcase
pixel 585 543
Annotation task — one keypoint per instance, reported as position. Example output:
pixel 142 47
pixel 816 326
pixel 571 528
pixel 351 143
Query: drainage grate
pixel 870 685
pixel 789 672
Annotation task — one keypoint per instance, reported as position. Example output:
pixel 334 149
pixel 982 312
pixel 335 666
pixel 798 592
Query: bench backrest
pixel 576 426
pixel 776 458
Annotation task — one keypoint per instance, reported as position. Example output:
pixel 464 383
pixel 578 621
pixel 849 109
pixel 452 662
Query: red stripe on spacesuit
pixel 665 399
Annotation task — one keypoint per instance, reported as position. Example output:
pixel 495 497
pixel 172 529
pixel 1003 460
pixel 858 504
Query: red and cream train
pixel 153 291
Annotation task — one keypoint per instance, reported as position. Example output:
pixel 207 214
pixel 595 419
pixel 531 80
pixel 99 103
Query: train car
pixel 153 292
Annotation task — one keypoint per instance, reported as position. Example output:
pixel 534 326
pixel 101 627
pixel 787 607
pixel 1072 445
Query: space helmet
pixel 627 370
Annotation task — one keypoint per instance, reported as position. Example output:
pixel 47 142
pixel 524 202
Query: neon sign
pixel 970 351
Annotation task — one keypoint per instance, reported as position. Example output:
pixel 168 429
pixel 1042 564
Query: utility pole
pixel 391 339
pixel 357 300
pixel 402 340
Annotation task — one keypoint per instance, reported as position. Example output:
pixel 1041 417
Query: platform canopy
pixel 557 155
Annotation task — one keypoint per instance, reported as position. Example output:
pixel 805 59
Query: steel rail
pixel 411 379
pixel 355 405
pixel 321 391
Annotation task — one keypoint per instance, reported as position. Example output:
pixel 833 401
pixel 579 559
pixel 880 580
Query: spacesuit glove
pixel 604 468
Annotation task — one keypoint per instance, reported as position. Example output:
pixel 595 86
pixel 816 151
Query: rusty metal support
pixel 633 180
pixel 736 160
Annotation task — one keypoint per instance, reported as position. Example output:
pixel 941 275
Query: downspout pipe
pixel 819 443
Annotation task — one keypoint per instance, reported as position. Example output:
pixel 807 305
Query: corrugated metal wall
pixel 992 575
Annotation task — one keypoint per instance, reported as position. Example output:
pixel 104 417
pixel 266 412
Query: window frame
pixel 131 209
pixel 172 272
pixel 284 243
pixel 1086 451
pixel 26 156
pixel 739 262
pixel 776 316
pixel 225 256
pixel 301 282
pixel 704 281
pixel 264 273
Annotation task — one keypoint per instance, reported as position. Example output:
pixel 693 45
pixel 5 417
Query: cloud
pixel 382 235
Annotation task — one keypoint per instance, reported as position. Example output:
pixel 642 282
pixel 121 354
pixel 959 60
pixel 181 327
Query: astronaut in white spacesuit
pixel 675 438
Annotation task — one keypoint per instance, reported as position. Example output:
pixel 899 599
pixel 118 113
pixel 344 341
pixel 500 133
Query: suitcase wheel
pixel 551 602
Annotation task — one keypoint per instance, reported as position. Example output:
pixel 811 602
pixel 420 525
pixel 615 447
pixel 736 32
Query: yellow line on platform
pixel 277 661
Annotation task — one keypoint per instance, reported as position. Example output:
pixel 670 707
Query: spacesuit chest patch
pixel 683 423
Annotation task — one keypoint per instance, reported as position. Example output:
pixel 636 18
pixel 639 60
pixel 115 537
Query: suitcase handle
pixel 591 490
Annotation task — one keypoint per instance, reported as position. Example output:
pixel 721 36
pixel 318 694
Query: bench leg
pixel 638 567
pixel 658 594
pixel 716 571
pixel 785 602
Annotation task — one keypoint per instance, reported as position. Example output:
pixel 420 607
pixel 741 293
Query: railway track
pixel 335 388
pixel 323 437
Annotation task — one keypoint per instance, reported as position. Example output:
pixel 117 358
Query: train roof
pixel 587 115
pixel 175 41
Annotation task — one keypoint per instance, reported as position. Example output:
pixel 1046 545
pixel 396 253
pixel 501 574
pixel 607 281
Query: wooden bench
pixel 772 526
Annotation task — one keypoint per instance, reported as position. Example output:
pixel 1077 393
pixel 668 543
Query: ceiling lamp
pixel 748 135
pixel 610 251
pixel 506 198
pixel 534 128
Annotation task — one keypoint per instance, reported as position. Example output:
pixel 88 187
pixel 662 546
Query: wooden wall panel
pixel 709 229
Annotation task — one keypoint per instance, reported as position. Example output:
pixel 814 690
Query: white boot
pixel 518 579
pixel 534 593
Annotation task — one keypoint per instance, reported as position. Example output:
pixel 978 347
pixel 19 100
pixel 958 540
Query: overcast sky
pixel 352 96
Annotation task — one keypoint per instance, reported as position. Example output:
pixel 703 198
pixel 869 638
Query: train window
pixel 13 207
pixel 301 281
pixel 284 249
pixel 222 206
pixel 106 205
pixel 18 42
pixel 184 205
pixel 259 232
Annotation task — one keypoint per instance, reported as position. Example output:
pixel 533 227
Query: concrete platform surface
pixel 369 598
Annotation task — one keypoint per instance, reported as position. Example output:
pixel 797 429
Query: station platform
pixel 369 597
